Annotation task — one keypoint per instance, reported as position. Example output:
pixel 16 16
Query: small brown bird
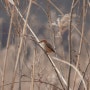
pixel 46 46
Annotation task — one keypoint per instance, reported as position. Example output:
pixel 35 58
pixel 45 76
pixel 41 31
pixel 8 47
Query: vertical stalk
pixel 20 46
pixel 6 53
pixel 81 41
pixel 70 45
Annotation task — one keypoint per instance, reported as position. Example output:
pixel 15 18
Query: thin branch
pixel 87 67
pixel 81 41
pixel 67 63
pixel 7 46
pixel 27 24
pixel 20 46
pixel 35 81
pixel 70 45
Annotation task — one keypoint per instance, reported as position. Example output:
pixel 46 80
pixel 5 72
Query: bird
pixel 47 47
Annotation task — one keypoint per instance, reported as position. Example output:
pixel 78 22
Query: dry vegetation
pixel 24 65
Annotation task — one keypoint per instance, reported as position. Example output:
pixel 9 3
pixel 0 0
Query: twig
pixel 27 24
pixel 20 46
pixel 35 81
pixel 63 61
pixel 87 67
pixel 81 41
pixel 7 46
pixel 70 45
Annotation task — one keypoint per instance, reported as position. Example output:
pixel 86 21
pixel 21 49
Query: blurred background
pixel 49 20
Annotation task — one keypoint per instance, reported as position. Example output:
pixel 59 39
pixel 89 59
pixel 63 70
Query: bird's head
pixel 43 41
pixel 46 46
